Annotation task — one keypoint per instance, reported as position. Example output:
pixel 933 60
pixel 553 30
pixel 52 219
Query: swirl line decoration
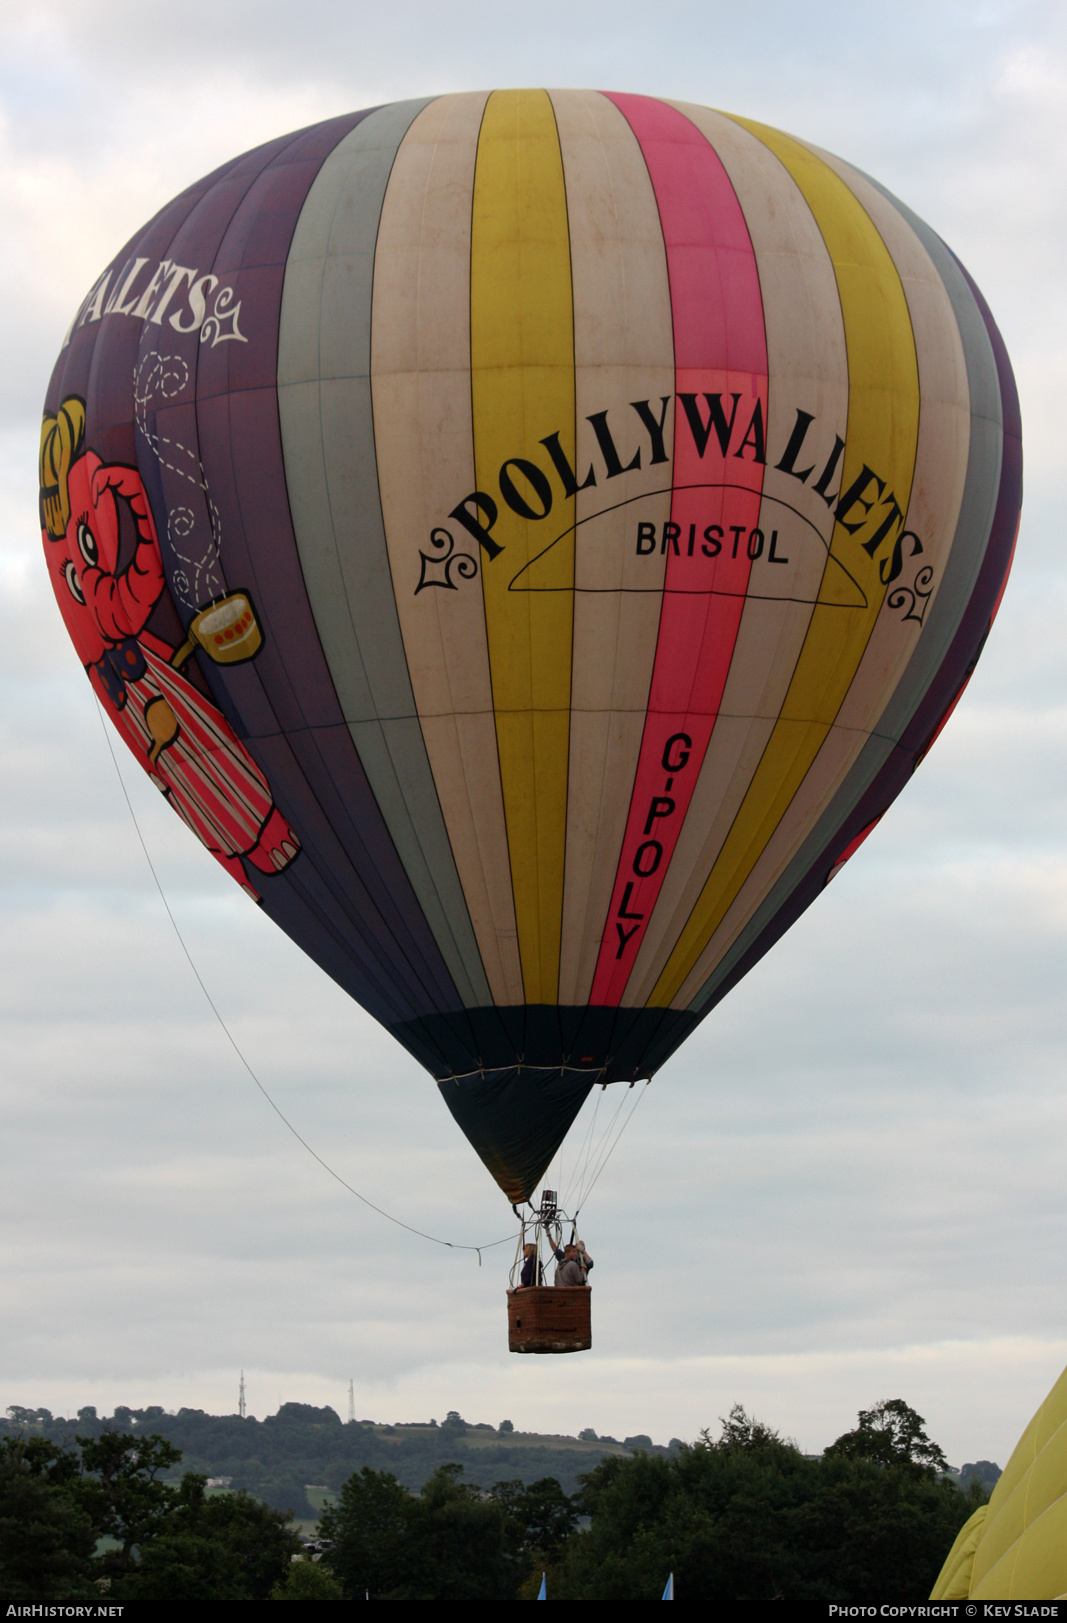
pixel 464 565
pixel 221 324
pixel 166 377
pixel 911 597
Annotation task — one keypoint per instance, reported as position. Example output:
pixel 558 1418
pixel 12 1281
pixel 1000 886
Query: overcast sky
pixel 849 1184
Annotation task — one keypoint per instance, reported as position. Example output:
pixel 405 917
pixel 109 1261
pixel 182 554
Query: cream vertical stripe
pixel 425 451
pixel 623 351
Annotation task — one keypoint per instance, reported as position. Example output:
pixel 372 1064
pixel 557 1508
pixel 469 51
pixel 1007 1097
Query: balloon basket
pixel 550 1319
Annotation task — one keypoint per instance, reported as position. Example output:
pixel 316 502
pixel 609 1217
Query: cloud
pixel 849 1183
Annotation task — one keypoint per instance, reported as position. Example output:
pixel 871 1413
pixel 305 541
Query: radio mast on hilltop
pixel 351 1402
pixel 241 1398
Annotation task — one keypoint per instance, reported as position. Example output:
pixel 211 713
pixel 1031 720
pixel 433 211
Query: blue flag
pixel 668 1593
pixel 542 1593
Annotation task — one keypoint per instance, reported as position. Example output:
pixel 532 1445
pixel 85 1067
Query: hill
pixel 301 1446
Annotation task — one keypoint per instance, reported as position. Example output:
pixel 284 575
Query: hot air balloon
pixel 1015 1547
pixel 531 538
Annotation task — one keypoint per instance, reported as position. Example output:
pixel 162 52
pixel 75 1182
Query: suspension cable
pixel 595 1156
pixel 451 1245
pixel 614 1146
pixel 578 1171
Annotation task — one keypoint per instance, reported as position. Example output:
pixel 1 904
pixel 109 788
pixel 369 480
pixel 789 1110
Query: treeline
pixel 100 1521
pixel 743 1516
pixel 276 1458
pixel 748 1517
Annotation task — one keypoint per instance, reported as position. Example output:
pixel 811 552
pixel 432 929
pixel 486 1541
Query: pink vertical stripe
pixel 720 348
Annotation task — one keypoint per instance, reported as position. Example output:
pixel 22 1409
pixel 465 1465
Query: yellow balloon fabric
pixel 1015 1548
pixel 954 1579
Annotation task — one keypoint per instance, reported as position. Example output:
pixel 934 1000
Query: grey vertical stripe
pixel 984 457
pixel 324 398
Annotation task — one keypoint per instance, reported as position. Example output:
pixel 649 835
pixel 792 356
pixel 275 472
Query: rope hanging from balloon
pixel 451 1245
pixel 607 1147
pixel 594 1154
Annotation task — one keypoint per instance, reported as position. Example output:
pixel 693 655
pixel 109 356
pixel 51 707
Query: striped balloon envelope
pixel 531 538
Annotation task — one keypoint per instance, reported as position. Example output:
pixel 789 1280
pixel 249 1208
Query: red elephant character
pixel 180 738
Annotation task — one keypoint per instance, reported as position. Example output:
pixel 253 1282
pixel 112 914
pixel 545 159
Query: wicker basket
pixel 549 1319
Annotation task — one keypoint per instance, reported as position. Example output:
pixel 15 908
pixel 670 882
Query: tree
pixel 260 1540
pixel 538 1518
pixel 121 1490
pixel 170 1540
pixel 983 1471
pixel 367 1530
pixel 287 1493
pixel 307 1580
pixel 222 1547
pixel 876 1531
pixel 177 1565
pixel 460 1539
pixel 449 1542
pixel 746 1516
pixel 28 1417
pixel 741 1432
pixel 891 1434
pixel 297 1413
pixel 46 1536
pixel 175 1541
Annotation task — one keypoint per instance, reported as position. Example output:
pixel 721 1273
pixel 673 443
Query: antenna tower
pixel 351 1402
pixel 241 1398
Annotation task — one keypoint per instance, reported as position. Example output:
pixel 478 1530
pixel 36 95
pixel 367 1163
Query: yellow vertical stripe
pixel 522 389
pixel 882 432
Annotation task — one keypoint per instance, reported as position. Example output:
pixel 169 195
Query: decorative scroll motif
pixel 198 577
pixel 437 568
pixel 914 599
pixel 222 322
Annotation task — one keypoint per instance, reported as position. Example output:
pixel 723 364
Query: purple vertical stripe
pixel 213 449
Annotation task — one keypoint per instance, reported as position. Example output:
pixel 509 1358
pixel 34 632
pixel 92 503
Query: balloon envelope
pixel 1015 1547
pixel 531 538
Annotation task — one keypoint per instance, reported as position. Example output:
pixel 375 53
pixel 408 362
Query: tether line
pixel 595 1156
pixel 452 1245
pixel 615 1145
